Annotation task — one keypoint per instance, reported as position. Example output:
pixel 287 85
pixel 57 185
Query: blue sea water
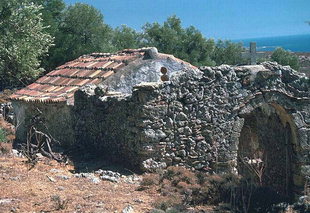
pixel 294 43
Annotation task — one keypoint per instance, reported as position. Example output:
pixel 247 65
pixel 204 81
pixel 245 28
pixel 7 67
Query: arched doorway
pixel 266 151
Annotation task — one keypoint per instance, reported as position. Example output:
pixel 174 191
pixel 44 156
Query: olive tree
pixel 81 31
pixel 23 42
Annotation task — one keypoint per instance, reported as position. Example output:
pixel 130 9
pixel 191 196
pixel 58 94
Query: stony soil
pixel 51 187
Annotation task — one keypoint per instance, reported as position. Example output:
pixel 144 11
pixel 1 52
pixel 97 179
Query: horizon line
pixel 270 36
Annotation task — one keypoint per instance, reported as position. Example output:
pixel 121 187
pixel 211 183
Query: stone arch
pixel 269 133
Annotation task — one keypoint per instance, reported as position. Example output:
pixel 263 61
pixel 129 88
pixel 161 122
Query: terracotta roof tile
pixel 60 84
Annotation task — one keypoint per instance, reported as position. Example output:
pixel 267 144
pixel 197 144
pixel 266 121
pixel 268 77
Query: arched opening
pixel 266 151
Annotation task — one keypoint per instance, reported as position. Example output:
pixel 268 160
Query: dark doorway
pixel 265 151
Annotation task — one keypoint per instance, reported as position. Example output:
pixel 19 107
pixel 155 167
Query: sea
pixel 294 43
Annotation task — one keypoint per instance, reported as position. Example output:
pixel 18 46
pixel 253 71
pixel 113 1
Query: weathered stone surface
pixel 128 209
pixel 152 165
pixel 196 119
pixel 304 138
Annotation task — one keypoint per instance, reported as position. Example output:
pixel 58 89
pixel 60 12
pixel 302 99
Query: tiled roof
pixel 60 84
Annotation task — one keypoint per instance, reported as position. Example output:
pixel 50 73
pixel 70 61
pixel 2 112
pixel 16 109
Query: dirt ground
pixel 52 187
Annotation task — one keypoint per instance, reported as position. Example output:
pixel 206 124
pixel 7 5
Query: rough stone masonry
pixel 212 118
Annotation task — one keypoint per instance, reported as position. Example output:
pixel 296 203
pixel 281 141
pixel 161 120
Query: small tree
pixel 125 37
pixel 185 43
pixel 227 52
pixel 23 41
pixel 52 12
pixel 284 57
pixel 81 31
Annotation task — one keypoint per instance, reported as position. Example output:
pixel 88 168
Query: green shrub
pixel 227 52
pixel 2 135
pixel 285 58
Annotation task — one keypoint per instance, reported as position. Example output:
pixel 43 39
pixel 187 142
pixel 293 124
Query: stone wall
pixel 57 117
pixel 197 119
pixel 6 111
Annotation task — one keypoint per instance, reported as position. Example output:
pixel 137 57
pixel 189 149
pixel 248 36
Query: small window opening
pixel 164 71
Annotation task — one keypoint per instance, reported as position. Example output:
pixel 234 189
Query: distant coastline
pixel 294 43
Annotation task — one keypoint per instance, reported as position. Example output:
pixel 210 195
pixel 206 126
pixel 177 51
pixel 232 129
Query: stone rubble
pixel 111 176
pixel 152 165
pixel 108 175
pixel 128 209
pixel 7 201
pixel 89 176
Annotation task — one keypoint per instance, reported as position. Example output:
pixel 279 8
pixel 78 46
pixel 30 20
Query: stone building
pixel 53 94
pixel 216 119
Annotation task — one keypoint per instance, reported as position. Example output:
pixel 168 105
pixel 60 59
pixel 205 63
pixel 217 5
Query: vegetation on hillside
pixel 284 57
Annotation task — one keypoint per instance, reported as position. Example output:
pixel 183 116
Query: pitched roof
pixel 60 84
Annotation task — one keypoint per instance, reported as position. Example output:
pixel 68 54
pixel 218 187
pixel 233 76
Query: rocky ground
pixel 49 186
pixel 52 187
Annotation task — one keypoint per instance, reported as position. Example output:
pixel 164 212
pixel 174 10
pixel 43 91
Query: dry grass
pixel 33 191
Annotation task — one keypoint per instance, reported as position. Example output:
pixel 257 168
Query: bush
pixel 181 187
pixel 149 180
pixel 179 174
pixel 5 147
pixel 2 135
pixel 227 52
pixel 7 131
pixel 285 58
pixel 165 203
pixel 59 203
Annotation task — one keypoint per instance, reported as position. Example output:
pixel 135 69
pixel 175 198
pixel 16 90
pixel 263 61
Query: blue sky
pixel 225 19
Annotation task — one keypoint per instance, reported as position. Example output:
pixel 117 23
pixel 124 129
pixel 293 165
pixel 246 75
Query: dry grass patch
pixel 43 189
